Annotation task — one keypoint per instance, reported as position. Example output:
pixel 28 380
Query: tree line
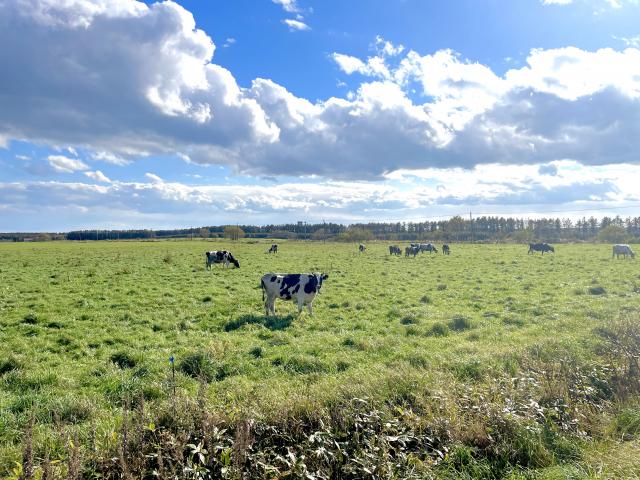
pixel 455 229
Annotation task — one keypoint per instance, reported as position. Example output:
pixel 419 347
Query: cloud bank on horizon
pixel 121 81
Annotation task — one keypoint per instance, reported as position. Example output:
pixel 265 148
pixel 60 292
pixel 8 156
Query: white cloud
pixel 160 94
pixel 403 194
pixel 557 2
pixel 228 42
pixel 63 164
pixel 98 176
pixel 109 157
pixel 290 6
pixel 295 24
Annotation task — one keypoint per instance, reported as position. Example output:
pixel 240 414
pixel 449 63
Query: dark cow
pixel 540 247
pixel 427 247
pixel 412 250
pixel 302 288
pixel 361 248
pixel 394 250
pixel 274 248
pixel 624 250
pixel 446 250
pixel 220 256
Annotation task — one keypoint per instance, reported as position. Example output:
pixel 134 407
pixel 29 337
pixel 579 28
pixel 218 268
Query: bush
pixel 123 360
pixel 438 330
pixel 597 290
pixel 460 323
pixel 409 320
pixel 9 365
pixel 199 365
pixel 30 319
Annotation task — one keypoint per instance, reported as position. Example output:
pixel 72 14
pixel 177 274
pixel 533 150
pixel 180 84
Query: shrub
pixel 598 290
pixel 438 330
pixel 30 319
pixel 9 365
pixel 256 352
pixel 441 286
pixel 409 320
pixel 199 365
pixel 123 359
pixel 460 323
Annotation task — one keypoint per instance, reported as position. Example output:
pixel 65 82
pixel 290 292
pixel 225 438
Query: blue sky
pixel 122 114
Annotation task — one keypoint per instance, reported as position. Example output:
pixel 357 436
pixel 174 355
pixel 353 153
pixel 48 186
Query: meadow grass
pixel 87 329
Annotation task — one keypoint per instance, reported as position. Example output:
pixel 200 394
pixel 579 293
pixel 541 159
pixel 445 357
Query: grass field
pixel 87 328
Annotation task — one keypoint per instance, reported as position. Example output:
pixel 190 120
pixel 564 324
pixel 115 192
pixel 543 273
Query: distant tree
pixel 613 234
pixel 355 235
pixel 320 234
pixel 204 232
pixel 233 232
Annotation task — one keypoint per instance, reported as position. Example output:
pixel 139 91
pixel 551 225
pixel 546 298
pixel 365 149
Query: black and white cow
pixel 540 247
pixel 361 248
pixel 274 248
pixel 220 256
pixel 411 250
pixel 394 250
pixel 624 250
pixel 446 250
pixel 302 288
pixel 428 247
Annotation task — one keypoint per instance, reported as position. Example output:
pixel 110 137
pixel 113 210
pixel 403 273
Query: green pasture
pixel 88 327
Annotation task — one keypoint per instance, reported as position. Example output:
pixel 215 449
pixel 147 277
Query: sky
pixel 126 114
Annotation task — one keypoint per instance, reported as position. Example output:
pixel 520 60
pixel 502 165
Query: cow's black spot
pixel 273 279
pixel 312 285
pixel 295 290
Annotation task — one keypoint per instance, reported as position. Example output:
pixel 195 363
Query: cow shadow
pixel 272 323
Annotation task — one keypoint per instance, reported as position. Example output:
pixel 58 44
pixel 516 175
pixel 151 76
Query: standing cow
pixel 302 288
pixel 411 250
pixel 394 250
pixel 274 248
pixel 624 250
pixel 220 256
pixel 428 247
pixel 540 247
pixel 446 250
pixel 361 248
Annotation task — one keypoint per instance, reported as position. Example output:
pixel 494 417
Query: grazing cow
pixel 427 247
pixel 540 247
pixel 412 250
pixel 394 250
pixel 361 248
pixel 624 250
pixel 220 256
pixel 446 250
pixel 274 248
pixel 302 288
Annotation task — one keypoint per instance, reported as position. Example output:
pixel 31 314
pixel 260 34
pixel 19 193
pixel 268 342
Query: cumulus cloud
pixel 295 24
pixel 98 176
pixel 63 164
pixel 124 79
pixel 289 6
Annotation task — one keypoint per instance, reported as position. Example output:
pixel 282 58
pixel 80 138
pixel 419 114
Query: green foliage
pixel 447 340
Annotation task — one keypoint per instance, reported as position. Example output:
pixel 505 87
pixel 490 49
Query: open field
pixel 87 328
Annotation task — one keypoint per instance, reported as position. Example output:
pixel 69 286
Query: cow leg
pixel 310 308
pixel 300 306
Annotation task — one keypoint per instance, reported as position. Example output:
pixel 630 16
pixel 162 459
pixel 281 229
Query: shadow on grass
pixel 272 323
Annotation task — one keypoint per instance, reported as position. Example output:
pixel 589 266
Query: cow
pixel 427 247
pixel 220 256
pixel 394 250
pixel 411 250
pixel 446 250
pixel 540 247
pixel 361 248
pixel 624 250
pixel 302 288
pixel 274 248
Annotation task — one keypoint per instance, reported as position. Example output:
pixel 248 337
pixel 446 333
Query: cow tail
pixel 263 288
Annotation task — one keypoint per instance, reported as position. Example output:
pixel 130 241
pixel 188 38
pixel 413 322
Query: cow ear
pixel 325 276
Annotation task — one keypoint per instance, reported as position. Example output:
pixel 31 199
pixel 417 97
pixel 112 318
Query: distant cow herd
pixel 302 288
